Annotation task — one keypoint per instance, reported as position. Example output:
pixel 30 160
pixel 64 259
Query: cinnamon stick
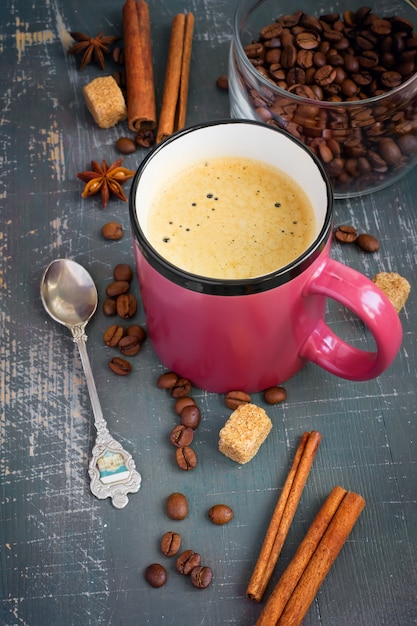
pixel 283 515
pixel 175 95
pixel 323 558
pixel 284 588
pixel 141 108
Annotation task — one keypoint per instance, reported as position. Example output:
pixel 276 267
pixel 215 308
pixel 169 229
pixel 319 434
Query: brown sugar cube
pixel 105 101
pixel 395 287
pixel 244 433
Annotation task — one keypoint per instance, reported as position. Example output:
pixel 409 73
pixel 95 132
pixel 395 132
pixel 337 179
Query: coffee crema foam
pixel 231 218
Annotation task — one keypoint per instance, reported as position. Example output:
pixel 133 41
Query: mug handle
pixel 359 294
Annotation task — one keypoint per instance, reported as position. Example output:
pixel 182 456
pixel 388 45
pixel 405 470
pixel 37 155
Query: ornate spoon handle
pixel 112 470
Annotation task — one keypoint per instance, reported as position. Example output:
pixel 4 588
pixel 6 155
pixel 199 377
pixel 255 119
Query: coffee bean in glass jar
pixel 343 81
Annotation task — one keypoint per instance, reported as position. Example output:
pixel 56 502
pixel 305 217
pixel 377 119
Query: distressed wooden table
pixel 68 558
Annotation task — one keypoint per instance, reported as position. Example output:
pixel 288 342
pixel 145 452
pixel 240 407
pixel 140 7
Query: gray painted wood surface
pixel 68 558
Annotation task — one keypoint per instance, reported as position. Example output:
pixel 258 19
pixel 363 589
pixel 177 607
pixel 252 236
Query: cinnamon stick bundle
pixel 299 584
pixel 141 107
pixel 175 94
pixel 283 515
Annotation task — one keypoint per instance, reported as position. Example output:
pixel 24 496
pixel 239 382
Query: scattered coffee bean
pixel 181 403
pixel 156 575
pixel 112 335
pixel 120 366
pixel 345 234
pixel 186 458
pixel 275 395
pixel 170 543
pixel 176 506
pixel 181 436
pixel 201 576
pixel 168 380
pixel 123 271
pixel 129 345
pixel 126 145
pixel 126 306
pixel 117 288
pixel 181 388
pixel 235 398
pixel 112 231
pixel 145 138
pixel 118 55
pixel 187 561
pixel 368 243
pixel 190 416
pixel 109 307
pixel 136 331
pixel 222 82
pixel 220 514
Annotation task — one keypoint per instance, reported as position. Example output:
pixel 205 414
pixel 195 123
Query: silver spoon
pixel 70 297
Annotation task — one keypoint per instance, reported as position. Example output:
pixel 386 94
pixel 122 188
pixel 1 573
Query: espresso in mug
pixel 231 218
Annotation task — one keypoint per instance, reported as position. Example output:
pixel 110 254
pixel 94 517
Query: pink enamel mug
pixel 254 333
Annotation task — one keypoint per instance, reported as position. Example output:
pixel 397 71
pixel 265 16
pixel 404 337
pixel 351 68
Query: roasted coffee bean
pixel 120 366
pixel 125 145
pixel 126 306
pixel 181 436
pixel 112 230
pixel 156 575
pixel 233 399
pixel 190 416
pixel 222 82
pixel 123 271
pixel 368 243
pixel 275 395
pixel 170 543
pixel 186 458
pixel 187 561
pixel 118 55
pixel 390 151
pixel 167 380
pixel 408 144
pixel 220 514
pixel 129 345
pixel 201 576
pixel 181 388
pixel 112 335
pixel 117 288
pixel 346 234
pixel 176 506
pixel 109 307
pixel 181 403
pixel 145 138
pixel 136 331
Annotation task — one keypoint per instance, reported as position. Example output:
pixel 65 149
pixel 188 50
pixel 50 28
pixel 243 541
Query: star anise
pixel 106 180
pixel 91 47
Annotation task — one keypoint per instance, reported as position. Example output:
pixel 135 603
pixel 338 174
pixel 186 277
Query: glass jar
pixel 365 142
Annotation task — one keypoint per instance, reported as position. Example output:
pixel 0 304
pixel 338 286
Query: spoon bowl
pixel 68 293
pixel 69 296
